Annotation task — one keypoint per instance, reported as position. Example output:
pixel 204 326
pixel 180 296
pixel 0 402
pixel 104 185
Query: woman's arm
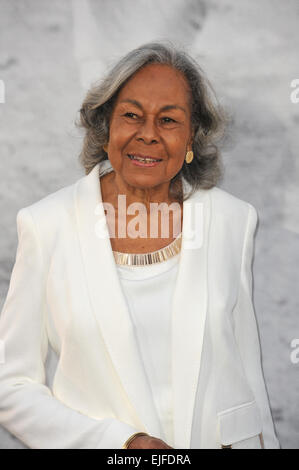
pixel 27 407
pixel 246 333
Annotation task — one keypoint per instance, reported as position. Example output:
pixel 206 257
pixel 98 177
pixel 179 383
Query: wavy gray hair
pixel 207 117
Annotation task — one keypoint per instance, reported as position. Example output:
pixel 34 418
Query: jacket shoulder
pixel 53 206
pixel 51 215
pixel 228 204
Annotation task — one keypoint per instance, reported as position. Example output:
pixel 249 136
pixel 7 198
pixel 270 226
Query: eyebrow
pixel 164 108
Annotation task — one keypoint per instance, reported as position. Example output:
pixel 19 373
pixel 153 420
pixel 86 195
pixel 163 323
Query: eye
pixel 131 115
pixel 167 120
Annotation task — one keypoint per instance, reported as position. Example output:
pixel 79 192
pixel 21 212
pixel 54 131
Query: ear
pixel 190 143
pixel 189 146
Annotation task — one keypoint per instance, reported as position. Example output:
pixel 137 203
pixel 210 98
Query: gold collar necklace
pixel 143 259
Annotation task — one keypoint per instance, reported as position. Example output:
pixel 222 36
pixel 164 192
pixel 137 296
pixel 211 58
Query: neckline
pixel 148 273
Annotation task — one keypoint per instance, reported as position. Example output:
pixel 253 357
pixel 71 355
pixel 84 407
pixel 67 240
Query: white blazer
pixel 64 289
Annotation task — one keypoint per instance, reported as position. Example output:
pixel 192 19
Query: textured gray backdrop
pixel 50 51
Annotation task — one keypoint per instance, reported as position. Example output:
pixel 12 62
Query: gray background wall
pixel 50 51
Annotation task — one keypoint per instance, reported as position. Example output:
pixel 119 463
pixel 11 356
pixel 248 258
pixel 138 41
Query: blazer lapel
pixel 189 313
pixel 108 302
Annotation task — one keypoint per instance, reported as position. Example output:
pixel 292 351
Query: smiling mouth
pixel 139 158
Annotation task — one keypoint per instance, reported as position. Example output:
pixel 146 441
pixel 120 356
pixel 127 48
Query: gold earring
pixel 105 147
pixel 189 156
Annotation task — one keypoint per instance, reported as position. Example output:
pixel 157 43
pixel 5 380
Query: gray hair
pixel 207 117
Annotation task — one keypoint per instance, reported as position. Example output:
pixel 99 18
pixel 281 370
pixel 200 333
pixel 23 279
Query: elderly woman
pixel 150 315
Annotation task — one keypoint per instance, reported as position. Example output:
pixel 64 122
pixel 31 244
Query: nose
pixel 147 132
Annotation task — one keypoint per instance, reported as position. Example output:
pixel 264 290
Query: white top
pixel 149 293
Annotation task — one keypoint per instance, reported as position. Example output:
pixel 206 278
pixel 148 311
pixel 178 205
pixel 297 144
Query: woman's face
pixel 151 118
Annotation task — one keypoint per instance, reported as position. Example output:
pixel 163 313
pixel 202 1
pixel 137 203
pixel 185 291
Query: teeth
pixel 144 160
